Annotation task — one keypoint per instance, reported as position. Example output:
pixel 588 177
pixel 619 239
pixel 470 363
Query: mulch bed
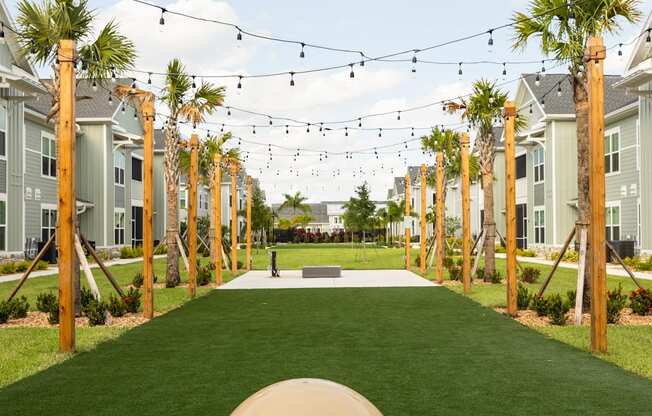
pixel 530 318
pixel 40 320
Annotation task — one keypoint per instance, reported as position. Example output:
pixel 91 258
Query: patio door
pixel 521 226
pixel 136 226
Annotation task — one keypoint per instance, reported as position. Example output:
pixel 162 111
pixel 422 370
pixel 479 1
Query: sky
pixel 376 26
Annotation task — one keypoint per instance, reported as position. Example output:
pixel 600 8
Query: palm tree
pixel 295 202
pixel 395 214
pixel 382 215
pixel 565 38
pixel 185 103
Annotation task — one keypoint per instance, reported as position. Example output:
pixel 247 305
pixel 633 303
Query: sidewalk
pixel 612 270
pixel 53 270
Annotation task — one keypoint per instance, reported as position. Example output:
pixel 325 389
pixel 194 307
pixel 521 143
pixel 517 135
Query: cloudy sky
pixel 377 27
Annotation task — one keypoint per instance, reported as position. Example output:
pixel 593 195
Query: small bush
pixel 53 314
pixel 540 305
pixel 495 277
pixel 523 297
pixel 530 274
pixel 5 311
pixel 116 306
pixel 557 309
pixel 132 300
pixel 479 273
pixel 22 266
pixel 42 265
pixel 526 253
pixel 131 253
pixel 448 262
pixel 19 307
pixel 45 301
pixel 161 249
pixel 96 312
pixel 137 281
pixel 203 276
pixel 8 268
pixel 571 295
pixel 640 300
pixel 86 297
pixel 616 302
pixel 501 249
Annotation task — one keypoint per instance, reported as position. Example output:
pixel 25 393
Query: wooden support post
pixel 217 218
pixel 31 268
pixel 407 222
pixel 581 275
pixel 250 188
pixel 234 218
pixel 569 239
pixel 466 214
pixel 624 266
pixel 594 58
pixel 476 262
pixel 439 218
pixel 182 251
pixel 510 205
pixel 192 215
pixel 100 263
pixel 423 238
pixel 148 206
pixel 66 194
pixel 87 269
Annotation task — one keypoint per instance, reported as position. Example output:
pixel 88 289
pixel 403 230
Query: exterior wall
pixel 15 237
pixel 645 109
pixel 499 193
pixel 561 173
pixel 159 198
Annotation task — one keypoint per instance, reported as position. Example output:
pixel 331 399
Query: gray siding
pixel 3 176
pixel 14 179
pixel 159 198
pixel 562 174
pixel 92 170
pixel 645 111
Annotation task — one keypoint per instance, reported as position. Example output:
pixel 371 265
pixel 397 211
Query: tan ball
pixel 306 396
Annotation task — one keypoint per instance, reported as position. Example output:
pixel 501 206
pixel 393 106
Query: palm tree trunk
pixel 172 215
pixel 489 224
pixel 583 171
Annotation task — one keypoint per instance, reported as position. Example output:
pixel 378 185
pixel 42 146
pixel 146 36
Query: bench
pixel 321 272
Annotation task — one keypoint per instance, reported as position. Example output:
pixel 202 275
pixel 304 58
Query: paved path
pixel 291 279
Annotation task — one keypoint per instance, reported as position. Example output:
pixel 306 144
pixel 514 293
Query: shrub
pixel 42 265
pixel 557 309
pixel 131 253
pixel 495 277
pixel 45 301
pixel 616 302
pixel 22 266
pixel 96 312
pixel 116 306
pixel 86 297
pixel 523 297
pixel 203 276
pixel 161 249
pixel 526 253
pixel 132 300
pixel 571 295
pixel 19 307
pixel 8 268
pixel 640 300
pixel 479 273
pixel 5 311
pixel 540 305
pixel 448 262
pixel 137 281
pixel 501 249
pixel 53 314
pixel 530 274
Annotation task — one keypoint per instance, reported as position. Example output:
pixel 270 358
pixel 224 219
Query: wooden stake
pixel 510 205
pixel 422 240
pixel 182 251
pixel 192 215
pixel 217 218
pixel 66 193
pixel 579 299
pixel 478 254
pixel 405 222
pixel 594 58
pixel 31 268
pixel 439 218
pixel 624 266
pixel 466 215
pixel 148 207
pixel 569 239
pixel 250 188
pixel 234 218
pixel 87 269
pixel 100 263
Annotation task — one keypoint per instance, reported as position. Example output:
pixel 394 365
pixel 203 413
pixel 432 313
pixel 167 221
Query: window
pixel 119 226
pixel 612 152
pixel 136 169
pixel 539 226
pixel 538 162
pixel 48 222
pixel 48 155
pixel 182 199
pixel 521 167
pixel 612 221
pixel 119 168
pixel 3 225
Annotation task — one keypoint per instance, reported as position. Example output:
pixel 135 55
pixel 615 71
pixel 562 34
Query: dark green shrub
pixel 161 249
pixel 53 314
pixel 19 307
pixel 571 295
pixel 523 297
pixel 540 305
pixel 132 300
pixel 96 312
pixel 22 266
pixel 116 306
pixel 137 281
pixel 5 311
pixel 616 302
pixel 530 274
pixel 640 300
pixel 557 309
pixel 496 277
pixel 448 262
pixel 8 268
pixel 86 297
pixel 45 301
pixel 42 265
pixel 203 276
pixel 479 273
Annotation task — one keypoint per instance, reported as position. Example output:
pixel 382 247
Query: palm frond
pixel 205 101
pixel 177 85
pixel 111 53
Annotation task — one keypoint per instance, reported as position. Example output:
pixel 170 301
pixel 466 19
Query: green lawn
pixel 411 351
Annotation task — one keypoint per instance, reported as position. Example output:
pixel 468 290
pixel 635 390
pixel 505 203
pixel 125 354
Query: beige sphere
pixel 306 396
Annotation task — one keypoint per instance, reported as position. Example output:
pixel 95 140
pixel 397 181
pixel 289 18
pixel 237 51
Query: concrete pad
pixel 291 279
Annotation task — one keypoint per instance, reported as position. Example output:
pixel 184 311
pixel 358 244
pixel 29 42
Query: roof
pixel 399 184
pixel 555 104
pixel 96 104
pixel 415 173
pixel 318 212
pixel 159 140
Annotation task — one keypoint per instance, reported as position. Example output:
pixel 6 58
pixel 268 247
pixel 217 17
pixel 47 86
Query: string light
pixel 647 38
pixel 94 85
pixel 302 53
pixel 359 121
pixel 351 75
pixel 398 116
pixel 490 42
pixel 149 79
pixel 459 71
pixel 543 68
pixel 537 80
pixel 346 131
pixel 113 77
pixel 291 79
pixel 559 89
pixel 240 82
pixel 412 134
pixel 504 69
pixel 253 131
pixel 194 85
pixel 620 50
pixel 239 36
pixel 228 112
pixel 270 121
pixel 110 99
pixel 161 21
pixel 380 132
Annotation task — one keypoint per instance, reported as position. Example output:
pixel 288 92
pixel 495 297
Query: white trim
pixel 609 133
pixel 613 204
pixel 554 183
pixel 104 185
pixel 534 98
pixel 538 208
pixel 47 135
pixel 22 196
pixel 49 207
pixel 4 157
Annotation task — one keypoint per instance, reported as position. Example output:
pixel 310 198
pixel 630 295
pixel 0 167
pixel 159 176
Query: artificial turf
pixel 411 351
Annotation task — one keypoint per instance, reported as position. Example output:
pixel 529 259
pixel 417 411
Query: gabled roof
pixel 399 184
pixel 642 50
pixel 318 212
pixel 563 105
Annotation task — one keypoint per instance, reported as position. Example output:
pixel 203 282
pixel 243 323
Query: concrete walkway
pixel 291 279
pixel 53 270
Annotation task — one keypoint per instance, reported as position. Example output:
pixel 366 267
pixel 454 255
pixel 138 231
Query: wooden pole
pixel 510 205
pixel 66 194
pixel 466 215
pixel 569 239
pixel 579 287
pixel 148 206
pixel 100 263
pixel 234 218
pixel 422 240
pixel 406 222
pixel 192 215
pixel 439 218
pixel 217 218
pixel 250 188
pixel 31 268
pixel 623 265
pixel 594 59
